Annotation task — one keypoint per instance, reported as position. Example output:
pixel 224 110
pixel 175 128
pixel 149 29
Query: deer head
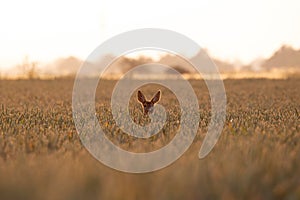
pixel 148 105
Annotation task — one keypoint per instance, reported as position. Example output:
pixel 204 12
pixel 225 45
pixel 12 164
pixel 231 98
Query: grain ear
pixel 141 97
pixel 156 97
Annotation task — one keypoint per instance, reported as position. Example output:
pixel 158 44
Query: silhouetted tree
pixel 28 69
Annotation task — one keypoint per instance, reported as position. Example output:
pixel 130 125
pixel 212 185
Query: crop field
pixel 257 155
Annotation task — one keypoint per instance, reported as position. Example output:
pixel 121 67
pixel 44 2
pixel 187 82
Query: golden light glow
pixel 231 30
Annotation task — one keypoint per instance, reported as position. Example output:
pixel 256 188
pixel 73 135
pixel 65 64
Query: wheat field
pixel 256 157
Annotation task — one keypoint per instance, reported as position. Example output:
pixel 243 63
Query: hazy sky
pixel 231 30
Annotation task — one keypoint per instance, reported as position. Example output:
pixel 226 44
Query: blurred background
pixel 257 155
pixel 245 39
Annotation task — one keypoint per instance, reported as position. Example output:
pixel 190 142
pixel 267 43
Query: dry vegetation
pixel 257 156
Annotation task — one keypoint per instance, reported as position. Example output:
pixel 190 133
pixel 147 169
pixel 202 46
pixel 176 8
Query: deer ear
pixel 141 97
pixel 156 97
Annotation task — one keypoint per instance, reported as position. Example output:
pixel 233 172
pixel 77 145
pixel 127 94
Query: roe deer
pixel 148 105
